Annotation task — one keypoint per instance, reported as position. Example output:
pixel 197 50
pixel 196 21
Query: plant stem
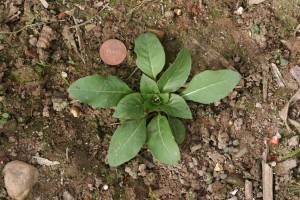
pixel 292 154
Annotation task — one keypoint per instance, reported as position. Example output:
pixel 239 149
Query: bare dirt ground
pixel 225 140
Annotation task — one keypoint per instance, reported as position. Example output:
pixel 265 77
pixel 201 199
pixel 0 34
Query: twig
pixel 129 14
pixel 133 73
pixel 89 20
pixel 79 40
pixel 24 27
pixel 29 24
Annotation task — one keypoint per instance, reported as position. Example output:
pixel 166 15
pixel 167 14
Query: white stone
pixel 239 11
pixel 253 2
pixel 105 187
pixel 294 141
pixel 19 178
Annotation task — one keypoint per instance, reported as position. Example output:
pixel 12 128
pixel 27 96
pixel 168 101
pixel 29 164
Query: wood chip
pixel 248 190
pixel 44 3
pixel 267 175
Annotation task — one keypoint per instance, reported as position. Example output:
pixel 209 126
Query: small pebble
pixel 293 141
pixel 235 142
pixel 105 187
pixel 169 14
pixel 74 111
pixel 177 11
pixel 234 192
pixel 64 75
pixel 11 139
pixel 236 59
pixel 239 11
pixel 19 178
pixel 223 176
pixel 258 105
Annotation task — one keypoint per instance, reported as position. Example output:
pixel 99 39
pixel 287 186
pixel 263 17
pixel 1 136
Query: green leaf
pixel 148 85
pixel 177 74
pixel 150 54
pixel 164 97
pixel 161 142
pixel 5 115
pixel 177 128
pixel 210 86
pixel 126 142
pixel 177 107
pixel 3 121
pixel 101 91
pixel 130 107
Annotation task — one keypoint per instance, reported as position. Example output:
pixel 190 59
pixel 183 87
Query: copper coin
pixel 113 52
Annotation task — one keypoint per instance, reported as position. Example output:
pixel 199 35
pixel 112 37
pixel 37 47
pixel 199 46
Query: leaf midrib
pixel 190 93
pixel 148 52
pixel 160 135
pixel 103 91
pixel 172 75
pixel 121 147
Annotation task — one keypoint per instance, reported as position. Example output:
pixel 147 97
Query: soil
pixel 43 50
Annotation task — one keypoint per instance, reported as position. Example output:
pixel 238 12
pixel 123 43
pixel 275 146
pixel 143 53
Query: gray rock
pixel 285 166
pixel 223 138
pixel 294 141
pixel 235 179
pixel 19 178
pixel 67 196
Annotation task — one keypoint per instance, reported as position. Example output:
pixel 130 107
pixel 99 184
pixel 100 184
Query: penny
pixel 113 52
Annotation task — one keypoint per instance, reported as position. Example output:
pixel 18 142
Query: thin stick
pixel 24 27
pixel 28 25
pixel 89 20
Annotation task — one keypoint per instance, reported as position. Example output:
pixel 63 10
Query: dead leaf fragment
pixel 69 39
pixel 295 71
pixel 47 35
pixel 293 45
pixel 277 75
pixel 283 114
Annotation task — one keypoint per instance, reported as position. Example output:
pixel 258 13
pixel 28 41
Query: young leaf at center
pixel 101 91
pixel 148 85
pixel 126 142
pixel 177 74
pixel 150 54
pixel 161 142
pixel 130 107
pixel 177 107
pixel 210 86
